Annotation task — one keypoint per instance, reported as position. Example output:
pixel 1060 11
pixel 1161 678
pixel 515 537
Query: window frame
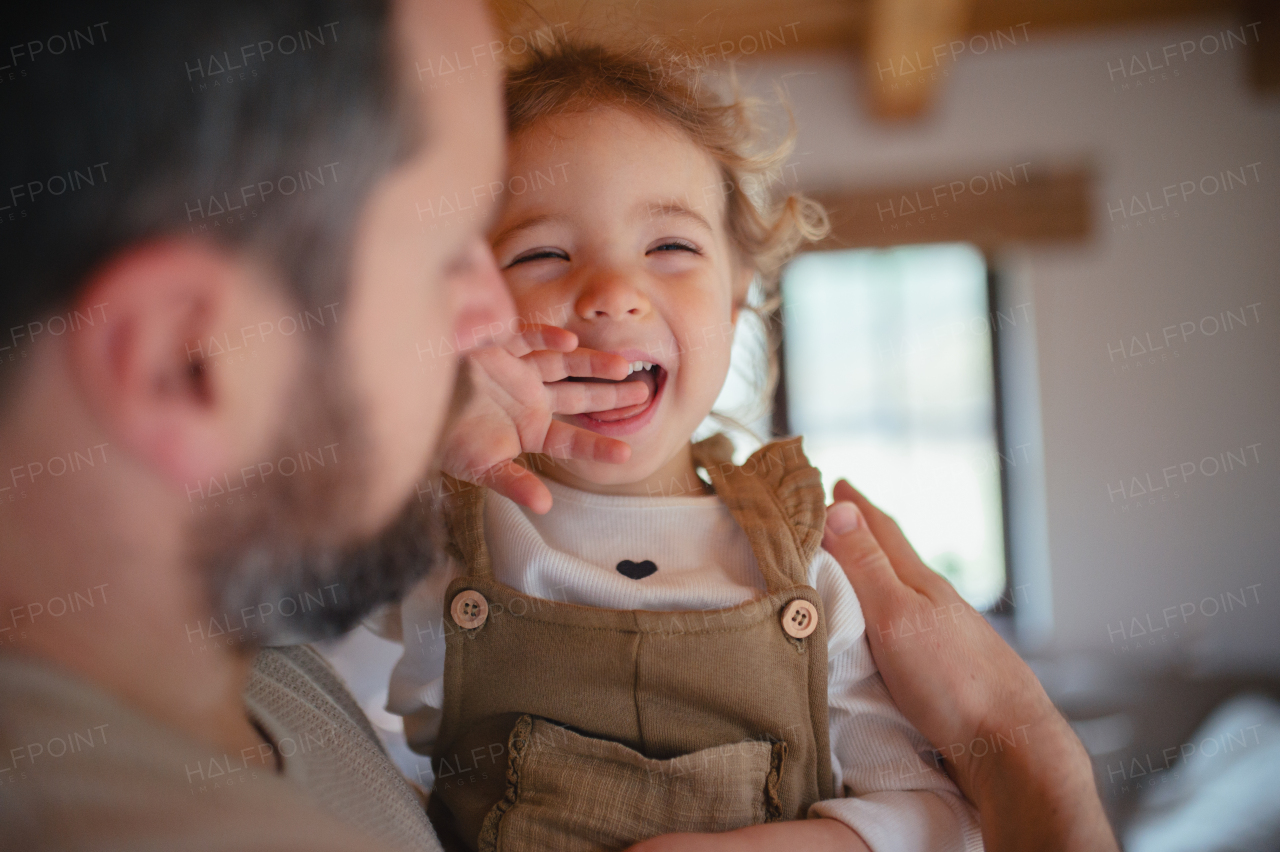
pixel 1002 611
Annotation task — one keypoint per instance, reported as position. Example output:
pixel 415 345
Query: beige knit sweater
pixel 80 770
pixel 330 750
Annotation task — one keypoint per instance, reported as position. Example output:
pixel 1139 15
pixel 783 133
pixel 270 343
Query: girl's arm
pixel 416 687
pixel 811 835
pixel 890 790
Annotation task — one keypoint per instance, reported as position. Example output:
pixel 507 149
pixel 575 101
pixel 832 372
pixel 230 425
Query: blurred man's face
pixel 423 280
pixel 423 287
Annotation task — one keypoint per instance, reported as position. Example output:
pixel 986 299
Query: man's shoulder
pixel 299 674
pixel 81 770
pixel 329 748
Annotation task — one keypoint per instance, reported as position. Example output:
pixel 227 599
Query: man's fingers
pixel 844 491
pixel 849 540
pixel 577 397
pixel 902 555
pixel 569 442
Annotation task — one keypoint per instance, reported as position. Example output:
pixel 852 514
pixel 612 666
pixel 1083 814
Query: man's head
pixel 219 273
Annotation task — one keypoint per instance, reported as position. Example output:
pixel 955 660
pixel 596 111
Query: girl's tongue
pixel 650 380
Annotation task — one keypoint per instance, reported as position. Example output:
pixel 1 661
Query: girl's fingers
pixel 515 481
pixel 569 442
pixel 519 485
pixel 578 397
pixel 581 363
pixel 592 363
pixel 534 337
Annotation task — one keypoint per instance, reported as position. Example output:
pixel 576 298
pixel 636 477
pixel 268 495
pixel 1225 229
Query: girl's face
pixel 615 229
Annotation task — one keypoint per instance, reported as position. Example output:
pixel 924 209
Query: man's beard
pixel 276 567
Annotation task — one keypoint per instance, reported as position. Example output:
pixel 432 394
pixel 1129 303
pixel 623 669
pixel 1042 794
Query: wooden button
pixel 800 618
pixel 469 609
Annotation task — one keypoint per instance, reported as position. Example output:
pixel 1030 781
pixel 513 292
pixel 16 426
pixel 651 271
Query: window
pixel 889 376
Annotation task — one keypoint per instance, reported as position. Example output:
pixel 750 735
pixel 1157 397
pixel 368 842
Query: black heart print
pixel 636 570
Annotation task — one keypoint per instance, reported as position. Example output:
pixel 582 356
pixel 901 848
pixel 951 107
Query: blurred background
pixel 1043 336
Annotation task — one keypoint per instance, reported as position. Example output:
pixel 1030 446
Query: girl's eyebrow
pixel 523 224
pixel 670 208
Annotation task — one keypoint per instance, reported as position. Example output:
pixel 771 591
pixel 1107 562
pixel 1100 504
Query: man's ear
pixel 142 370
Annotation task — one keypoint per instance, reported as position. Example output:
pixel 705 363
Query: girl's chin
pixel 660 465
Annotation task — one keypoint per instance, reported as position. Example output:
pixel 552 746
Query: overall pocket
pixel 566 791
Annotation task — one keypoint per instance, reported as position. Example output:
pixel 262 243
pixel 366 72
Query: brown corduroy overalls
pixel 570 727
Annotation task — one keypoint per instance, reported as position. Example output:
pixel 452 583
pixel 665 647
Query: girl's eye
pixel 675 245
pixel 537 254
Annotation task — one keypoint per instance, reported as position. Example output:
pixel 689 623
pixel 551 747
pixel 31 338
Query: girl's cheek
pixel 542 306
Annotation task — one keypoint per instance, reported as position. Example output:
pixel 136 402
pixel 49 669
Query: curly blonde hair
pixel 657 79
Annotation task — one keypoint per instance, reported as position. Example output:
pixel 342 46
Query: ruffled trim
pixel 772 799
pixel 796 488
pixel 516 745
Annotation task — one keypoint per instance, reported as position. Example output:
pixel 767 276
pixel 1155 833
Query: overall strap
pixel 776 497
pixel 464 517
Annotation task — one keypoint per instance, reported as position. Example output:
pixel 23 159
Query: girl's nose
pixel 611 295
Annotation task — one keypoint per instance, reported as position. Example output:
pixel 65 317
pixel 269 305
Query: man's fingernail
pixel 842 518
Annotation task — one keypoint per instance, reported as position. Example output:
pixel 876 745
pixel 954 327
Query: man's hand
pixel 967 691
pixel 517 387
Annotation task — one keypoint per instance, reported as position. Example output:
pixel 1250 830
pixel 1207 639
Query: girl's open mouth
pixel 630 418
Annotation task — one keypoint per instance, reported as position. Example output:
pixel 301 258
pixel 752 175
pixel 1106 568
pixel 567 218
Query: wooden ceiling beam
pixel 992 207
pixel 1075 14
pixel 1263 16
pixel 907 50
pixel 906 47
pixel 715 31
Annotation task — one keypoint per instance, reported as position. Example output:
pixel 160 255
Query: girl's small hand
pixel 517 387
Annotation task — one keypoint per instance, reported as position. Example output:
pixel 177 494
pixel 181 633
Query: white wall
pixel 1052 101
